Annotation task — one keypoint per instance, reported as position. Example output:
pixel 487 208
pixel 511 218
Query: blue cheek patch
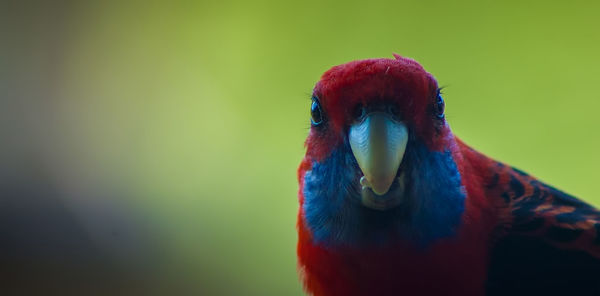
pixel 331 199
pixel 432 208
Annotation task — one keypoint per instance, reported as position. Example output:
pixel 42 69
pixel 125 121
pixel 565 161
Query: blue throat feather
pixel 431 209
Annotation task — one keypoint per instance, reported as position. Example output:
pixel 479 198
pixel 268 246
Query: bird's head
pixel 381 155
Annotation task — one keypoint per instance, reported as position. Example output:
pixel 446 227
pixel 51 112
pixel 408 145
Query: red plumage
pixel 459 265
pixel 455 265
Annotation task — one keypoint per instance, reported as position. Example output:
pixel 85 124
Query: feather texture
pixel 468 224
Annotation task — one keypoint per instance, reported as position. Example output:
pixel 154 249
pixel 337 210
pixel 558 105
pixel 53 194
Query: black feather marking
pixel 532 225
pixel 563 235
pixel 516 187
pixel 494 182
pixel 571 218
pixel 522 265
pixel 520 172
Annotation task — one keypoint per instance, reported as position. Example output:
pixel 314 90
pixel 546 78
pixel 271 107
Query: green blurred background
pixel 171 131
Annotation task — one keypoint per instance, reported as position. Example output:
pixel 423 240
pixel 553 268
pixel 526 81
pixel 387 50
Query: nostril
pixel 393 109
pixel 359 112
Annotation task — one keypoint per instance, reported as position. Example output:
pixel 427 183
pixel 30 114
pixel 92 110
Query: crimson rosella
pixel 392 203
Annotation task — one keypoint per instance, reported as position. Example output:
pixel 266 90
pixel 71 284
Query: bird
pixel 391 202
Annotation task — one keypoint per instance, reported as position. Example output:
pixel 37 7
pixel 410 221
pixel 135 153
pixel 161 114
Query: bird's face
pixel 379 108
pixel 380 157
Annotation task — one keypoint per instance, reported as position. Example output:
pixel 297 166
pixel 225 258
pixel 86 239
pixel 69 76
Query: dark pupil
pixel 315 112
pixel 440 107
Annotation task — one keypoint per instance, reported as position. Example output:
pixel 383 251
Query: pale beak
pixel 378 143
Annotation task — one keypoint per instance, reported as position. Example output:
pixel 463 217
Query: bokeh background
pixel 160 139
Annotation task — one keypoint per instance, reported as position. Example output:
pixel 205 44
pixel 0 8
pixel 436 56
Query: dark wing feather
pixel 549 243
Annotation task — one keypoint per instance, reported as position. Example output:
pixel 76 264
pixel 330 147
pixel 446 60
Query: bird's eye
pixel 315 112
pixel 439 106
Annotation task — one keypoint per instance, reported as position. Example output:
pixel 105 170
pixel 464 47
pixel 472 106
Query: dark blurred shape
pixel 45 249
pixel 55 240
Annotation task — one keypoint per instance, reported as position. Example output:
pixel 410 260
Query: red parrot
pixel 392 203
